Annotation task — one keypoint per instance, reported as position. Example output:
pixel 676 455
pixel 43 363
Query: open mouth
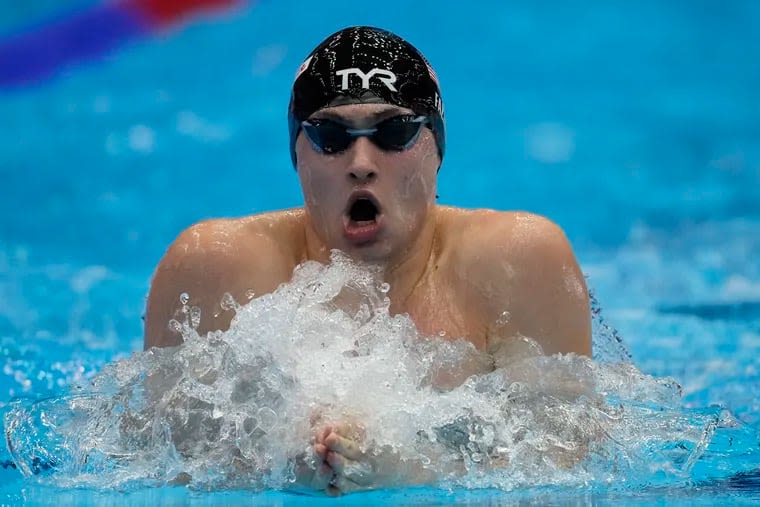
pixel 362 222
pixel 363 210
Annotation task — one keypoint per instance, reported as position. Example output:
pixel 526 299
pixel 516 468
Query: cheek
pixel 319 200
pixel 312 184
pixel 418 181
pixel 314 177
pixel 414 187
pixel 319 187
pixel 316 199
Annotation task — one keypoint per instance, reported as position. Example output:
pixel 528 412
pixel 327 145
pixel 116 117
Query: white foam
pixel 235 408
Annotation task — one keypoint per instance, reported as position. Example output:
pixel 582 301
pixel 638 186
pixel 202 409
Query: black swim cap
pixel 362 64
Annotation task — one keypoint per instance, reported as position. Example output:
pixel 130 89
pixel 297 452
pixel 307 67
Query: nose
pixel 362 163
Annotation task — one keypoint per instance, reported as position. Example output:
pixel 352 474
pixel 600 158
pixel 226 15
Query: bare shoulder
pixel 242 257
pixel 269 237
pixel 523 264
pixel 518 236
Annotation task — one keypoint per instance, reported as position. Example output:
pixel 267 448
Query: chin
pixel 376 252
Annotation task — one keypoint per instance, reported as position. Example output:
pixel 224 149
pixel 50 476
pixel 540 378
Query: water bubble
pixel 384 287
pixel 236 407
pixel 250 424
pixel 267 418
pixel 184 298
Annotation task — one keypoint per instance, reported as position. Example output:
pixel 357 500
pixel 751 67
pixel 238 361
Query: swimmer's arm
pixel 544 291
pixel 206 261
pixel 530 271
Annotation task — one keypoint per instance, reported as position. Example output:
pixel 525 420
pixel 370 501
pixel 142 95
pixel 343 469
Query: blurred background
pixel 634 125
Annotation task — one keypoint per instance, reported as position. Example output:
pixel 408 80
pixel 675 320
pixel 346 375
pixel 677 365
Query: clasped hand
pixel 341 463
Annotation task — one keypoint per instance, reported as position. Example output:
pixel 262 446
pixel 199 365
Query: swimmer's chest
pixel 440 309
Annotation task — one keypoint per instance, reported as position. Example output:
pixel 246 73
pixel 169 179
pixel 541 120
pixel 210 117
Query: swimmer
pixel 367 140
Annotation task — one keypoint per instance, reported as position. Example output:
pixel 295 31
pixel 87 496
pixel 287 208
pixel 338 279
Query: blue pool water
pixel 635 126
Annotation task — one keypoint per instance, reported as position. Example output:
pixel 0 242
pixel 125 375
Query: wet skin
pixel 487 276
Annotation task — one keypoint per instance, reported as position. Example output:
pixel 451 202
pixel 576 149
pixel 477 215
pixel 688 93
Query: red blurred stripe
pixel 162 12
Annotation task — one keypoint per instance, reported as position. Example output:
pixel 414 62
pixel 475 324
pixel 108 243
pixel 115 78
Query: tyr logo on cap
pixel 387 77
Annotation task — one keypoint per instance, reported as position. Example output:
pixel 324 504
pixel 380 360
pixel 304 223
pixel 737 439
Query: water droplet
pixel 228 302
pixel 244 391
pixel 175 326
pixel 504 318
pixel 195 317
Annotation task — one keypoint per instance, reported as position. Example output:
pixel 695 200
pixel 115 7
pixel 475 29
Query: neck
pixel 410 270
pixel 403 271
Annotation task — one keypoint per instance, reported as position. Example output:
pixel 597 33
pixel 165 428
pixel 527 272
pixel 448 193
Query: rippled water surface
pixel 632 126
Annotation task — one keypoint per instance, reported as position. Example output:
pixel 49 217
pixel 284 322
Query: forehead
pixel 361 112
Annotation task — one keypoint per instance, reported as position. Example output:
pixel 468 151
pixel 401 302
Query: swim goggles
pixel 397 133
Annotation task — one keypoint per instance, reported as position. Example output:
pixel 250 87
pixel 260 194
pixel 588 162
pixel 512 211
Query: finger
pixel 312 473
pixel 322 434
pixel 320 450
pixel 348 448
pixel 359 472
pixel 323 476
pixel 336 461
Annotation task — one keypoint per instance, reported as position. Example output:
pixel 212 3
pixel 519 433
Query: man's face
pixel 368 202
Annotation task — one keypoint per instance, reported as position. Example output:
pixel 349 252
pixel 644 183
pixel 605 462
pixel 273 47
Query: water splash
pixel 236 408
